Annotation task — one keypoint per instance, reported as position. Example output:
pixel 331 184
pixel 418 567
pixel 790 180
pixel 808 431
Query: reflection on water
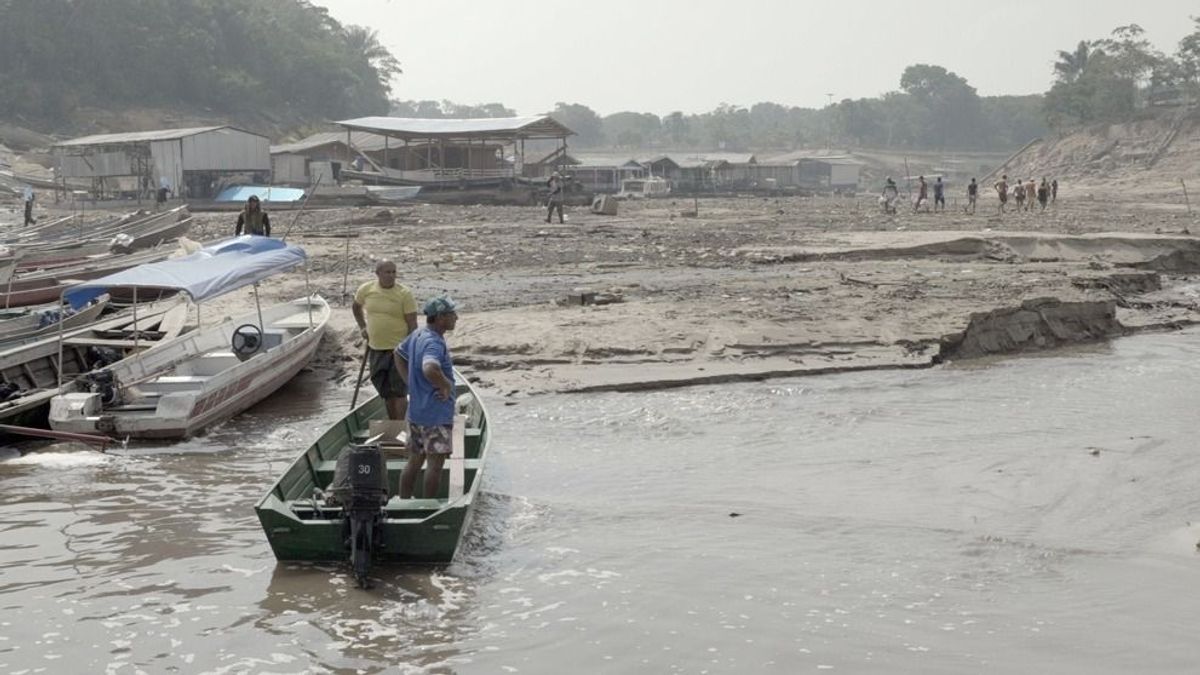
pixel 1020 515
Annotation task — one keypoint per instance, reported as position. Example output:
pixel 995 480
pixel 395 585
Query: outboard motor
pixel 104 383
pixel 360 486
pixel 103 356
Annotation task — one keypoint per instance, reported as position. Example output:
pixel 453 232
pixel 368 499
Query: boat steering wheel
pixel 247 340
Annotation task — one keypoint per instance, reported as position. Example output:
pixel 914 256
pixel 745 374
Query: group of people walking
pixel 1024 194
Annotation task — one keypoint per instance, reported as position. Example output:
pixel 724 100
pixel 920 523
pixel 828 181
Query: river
pixel 1022 515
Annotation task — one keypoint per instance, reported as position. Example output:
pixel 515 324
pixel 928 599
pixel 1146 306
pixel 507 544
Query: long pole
pixel 358 381
pixel 1185 197
pixel 135 321
pixel 302 207
pixel 258 305
pixel 907 180
pixel 90 439
pixel 346 261
pixel 308 296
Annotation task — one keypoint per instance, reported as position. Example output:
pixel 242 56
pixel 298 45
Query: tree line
pixel 285 58
pixel 1111 79
pixel 1106 80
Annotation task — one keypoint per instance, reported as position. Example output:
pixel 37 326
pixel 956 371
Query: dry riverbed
pixel 749 287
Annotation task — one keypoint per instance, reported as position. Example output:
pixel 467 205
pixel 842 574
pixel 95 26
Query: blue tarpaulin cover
pixel 209 272
pixel 265 193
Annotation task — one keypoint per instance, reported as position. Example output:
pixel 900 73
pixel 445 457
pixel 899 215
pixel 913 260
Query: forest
pixel 285 58
pixel 290 60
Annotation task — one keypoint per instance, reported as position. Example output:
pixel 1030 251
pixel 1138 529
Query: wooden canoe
pixel 32 323
pixel 195 380
pixel 33 368
pixel 301 527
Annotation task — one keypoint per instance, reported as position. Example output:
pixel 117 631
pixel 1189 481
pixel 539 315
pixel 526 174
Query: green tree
pixel 950 111
pixel 583 121
pixel 1071 65
pixel 632 129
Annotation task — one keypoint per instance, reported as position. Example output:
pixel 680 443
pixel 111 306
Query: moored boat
pixel 33 322
pixel 302 525
pixel 31 374
pixel 211 374
pixel 197 380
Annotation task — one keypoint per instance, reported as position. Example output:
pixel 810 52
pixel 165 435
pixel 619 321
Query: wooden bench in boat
pixel 164 384
pixel 396 508
pixel 107 342
pixel 298 320
pixel 208 364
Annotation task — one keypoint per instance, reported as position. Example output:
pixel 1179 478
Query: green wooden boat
pixel 302 526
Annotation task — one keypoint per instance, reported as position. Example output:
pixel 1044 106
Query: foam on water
pixel 61 459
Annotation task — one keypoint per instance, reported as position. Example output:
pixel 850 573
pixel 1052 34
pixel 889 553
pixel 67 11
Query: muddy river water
pixel 1038 514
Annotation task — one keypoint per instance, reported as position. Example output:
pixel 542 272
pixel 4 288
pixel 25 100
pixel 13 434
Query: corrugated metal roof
pixel 139 136
pixel 364 141
pixel 528 127
pixel 731 157
pixel 602 160
pixel 812 156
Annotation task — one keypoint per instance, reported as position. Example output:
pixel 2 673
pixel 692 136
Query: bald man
pixel 386 313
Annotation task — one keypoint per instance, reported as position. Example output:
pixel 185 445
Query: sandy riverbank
pixel 752 287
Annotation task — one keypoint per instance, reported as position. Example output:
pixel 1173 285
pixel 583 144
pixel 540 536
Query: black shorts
pixel 384 375
pixel 939 199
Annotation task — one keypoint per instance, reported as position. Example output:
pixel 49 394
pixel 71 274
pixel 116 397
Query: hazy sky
pixel 663 55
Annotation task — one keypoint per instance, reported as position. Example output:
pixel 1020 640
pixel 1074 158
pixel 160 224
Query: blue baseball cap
pixel 440 305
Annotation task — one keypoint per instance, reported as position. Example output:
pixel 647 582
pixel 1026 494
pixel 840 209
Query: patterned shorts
pixel 434 439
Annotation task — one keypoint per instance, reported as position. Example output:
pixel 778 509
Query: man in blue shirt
pixel 424 363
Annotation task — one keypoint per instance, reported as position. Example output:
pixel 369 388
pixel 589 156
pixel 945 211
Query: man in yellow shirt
pixel 386 313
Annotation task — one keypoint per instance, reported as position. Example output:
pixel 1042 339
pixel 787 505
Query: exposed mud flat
pixel 749 289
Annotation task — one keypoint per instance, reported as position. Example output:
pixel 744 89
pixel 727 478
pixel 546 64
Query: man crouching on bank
pixel 423 360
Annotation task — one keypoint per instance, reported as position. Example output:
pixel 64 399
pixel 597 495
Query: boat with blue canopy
pixel 182 386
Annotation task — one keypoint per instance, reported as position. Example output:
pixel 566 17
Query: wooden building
pixel 448 152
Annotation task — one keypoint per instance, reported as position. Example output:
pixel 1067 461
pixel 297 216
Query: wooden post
pixel 1185 197
pixel 385 153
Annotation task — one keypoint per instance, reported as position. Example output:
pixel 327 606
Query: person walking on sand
pixel 1001 187
pixel 386 313
pixel 922 193
pixel 160 196
pixel 890 195
pixel 972 196
pixel 1053 190
pixel 423 359
pixel 1030 193
pixel 1043 193
pixel 555 200
pixel 28 197
pixel 253 220
pixel 939 195
pixel 1019 195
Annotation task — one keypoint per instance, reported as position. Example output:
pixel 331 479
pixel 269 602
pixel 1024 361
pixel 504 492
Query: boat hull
pixel 300 527
pixel 203 399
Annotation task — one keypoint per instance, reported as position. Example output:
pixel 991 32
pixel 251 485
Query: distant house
pixel 592 172
pixel 806 170
pixel 703 171
pixel 194 162
pixel 304 161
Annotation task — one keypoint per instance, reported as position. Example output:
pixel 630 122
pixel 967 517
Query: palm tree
pixel 365 42
pixel 1072 64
